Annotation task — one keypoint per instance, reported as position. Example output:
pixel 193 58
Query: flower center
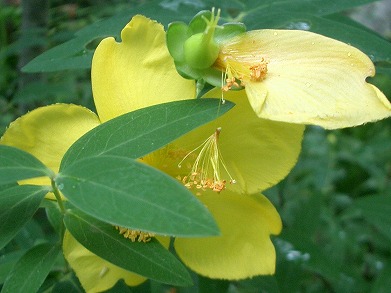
pixel 205 172
pixel 258 72
pixel 135 235
pixel 237 72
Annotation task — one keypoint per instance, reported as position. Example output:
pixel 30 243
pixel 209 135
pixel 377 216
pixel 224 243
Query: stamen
pixel 237 72
pixel 135 235
pixel 229 80
pixel 205 172
pixel 258 72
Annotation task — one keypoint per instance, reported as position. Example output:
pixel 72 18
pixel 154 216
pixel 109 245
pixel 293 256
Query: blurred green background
pixel 335 204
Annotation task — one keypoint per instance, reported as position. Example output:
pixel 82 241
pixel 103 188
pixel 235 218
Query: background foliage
pixel 335 204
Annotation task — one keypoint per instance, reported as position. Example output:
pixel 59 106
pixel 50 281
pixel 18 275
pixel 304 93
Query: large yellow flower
pixel 288 75
pixel 139 72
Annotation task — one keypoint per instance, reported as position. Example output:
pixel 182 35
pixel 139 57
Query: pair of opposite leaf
pixel 288 76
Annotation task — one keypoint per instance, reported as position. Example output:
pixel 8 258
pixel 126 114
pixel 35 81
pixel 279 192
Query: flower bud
pixel 201 51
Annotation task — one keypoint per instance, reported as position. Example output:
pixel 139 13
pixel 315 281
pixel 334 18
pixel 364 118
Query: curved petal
pixel 244 249
pixel 258 153
pixel 47 133
pixel 311 79
pixel 94 273
pixel 136 73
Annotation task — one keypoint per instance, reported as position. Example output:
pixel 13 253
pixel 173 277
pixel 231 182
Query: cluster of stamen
pixel 237 72
pixel 258 72
pixel 229 83
pixel 205 172
pixel 135 235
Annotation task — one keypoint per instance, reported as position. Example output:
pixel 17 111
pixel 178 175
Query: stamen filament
pixel 205 172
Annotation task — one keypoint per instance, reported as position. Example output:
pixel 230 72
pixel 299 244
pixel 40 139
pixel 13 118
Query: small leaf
pixel 16 164
pixel 150 259
pixel 17 205
pixel 54 215
pixel 124 192
pixel 31 270
pixel 138 133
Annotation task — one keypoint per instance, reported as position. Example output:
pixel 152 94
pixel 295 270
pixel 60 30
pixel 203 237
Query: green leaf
pixel 75 55
pixel 7 261
pixel 124 192
pixel 150 259
pixel 16 164
pixel 17 206
pixel 336 27
pixel 138 133
pixel 382 283
pixel 68 284
pixel 213 285
pixel 376 210
pixel 376 47
pixel 71 54
pixel 314 7
pixel 31 270
pixel 54 215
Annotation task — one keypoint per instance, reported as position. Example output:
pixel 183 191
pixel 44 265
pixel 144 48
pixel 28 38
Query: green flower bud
pixel 196 47
pixel 200 51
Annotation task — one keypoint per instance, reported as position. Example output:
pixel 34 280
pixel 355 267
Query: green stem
pixel 58 196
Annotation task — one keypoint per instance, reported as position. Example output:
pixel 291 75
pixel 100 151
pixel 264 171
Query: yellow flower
pixel 288 75
pixel 139 72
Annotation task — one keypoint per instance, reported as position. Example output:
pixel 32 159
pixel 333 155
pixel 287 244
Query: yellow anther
pixel 205 172
pixel 135 235
pixel 258 72
pixel 238 70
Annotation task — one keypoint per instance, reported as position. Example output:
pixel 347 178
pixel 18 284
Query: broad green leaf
pixel 125 192
pixel 30 234
pixel 69 55
pixel 376 210
pixel 16 164
pixel 7 261
pixel 17 205
pixel 31 270
pixel 150 259
pixel 138 133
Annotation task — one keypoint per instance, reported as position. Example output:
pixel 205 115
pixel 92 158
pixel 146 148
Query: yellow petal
pixel 136 73
pixel 47 133
pixel 310 79
pixel 244 249
pixel 94 273
pixel 258 153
